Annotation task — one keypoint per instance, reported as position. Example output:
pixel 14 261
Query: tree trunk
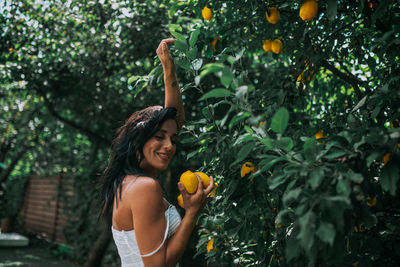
pixel 96 254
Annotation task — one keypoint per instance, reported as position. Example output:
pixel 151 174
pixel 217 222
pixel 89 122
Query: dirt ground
pixel 37 254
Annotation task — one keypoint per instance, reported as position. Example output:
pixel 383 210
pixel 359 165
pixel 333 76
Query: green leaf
pixel 285 143
pixel 183 63
pixel 316 177
pixel 193 37
pixel 335 154
pixel 216 93
pixel 227 77
pixel 389 178
pixel 197 63
pixel 307 230
pixel 291 195
pixel 360 103
pixel 332 9
pixel 178 36
pixel 292 249
pixel 343 187
pixel 239 117
pixel 310 149
pixel 243 153
pixel 267 142
pixel 133 79
pixel 174 27
pixel 192 54
pixel 210 68
pixel 326 232
pixel 181 46
pixel 280 121
pixel 355 177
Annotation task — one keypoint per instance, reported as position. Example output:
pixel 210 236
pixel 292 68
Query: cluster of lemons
pixel 308 11
pixel 190 182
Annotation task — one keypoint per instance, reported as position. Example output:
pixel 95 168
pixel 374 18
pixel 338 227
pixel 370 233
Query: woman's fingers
pixel 182 188
pixel 168 41
pixel 210 187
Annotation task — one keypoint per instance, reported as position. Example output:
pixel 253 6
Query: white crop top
pixel 128 249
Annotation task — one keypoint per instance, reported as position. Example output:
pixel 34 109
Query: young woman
pixel 147 230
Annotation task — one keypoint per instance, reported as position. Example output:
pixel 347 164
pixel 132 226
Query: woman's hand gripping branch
pixel 173 96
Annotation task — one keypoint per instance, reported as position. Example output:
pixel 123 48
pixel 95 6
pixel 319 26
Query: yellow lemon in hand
pixel 308 10
pixel 189 180
pixel 267 46
pixel 273 16
pixel 276 46
pixel 204 177
pixel 180 201
pixel 207 13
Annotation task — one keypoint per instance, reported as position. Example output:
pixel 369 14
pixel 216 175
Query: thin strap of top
pixel 159 247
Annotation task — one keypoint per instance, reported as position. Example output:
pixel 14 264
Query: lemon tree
pixel 309 122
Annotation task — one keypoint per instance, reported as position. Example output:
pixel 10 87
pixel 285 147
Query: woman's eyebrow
pixel 165 131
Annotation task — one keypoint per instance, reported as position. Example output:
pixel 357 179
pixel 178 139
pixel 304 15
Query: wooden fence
pixel 44 210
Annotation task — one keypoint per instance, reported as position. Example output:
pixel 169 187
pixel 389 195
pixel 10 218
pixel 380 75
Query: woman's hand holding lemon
pixel 194 203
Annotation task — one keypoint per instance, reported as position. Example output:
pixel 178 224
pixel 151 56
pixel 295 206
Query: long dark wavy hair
pixel 127 151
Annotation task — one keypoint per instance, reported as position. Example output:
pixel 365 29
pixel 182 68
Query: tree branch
pixel 352 80
pixel 4 175
pixel 69 122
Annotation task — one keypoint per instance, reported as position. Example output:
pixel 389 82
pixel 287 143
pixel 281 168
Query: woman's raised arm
pixel 173 97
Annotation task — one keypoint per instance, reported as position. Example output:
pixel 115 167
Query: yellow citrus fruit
pixel 386 158
pixel 247 167
pixel 371 202
pixel 180 200
pixel 276 46
pixel 267 46
pixel 274 15
pixel 207 13
pixel 212 193
pixel 320 134
pixel 210 245
pixel 260 124
pixel 189 180
pixel 214 43
pixel 300 77
pixel 204 177
pixel 308 10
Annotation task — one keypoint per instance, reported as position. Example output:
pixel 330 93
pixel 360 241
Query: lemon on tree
pixel 214 43
pixel 276 46
pixel 308 10
pixel 210 245
pixel 247 168
pixel 273 15
pixel 267 46
pixel 207 13
pixel 320 134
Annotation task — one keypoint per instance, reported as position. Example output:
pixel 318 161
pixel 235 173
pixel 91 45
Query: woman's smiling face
pixel 159 149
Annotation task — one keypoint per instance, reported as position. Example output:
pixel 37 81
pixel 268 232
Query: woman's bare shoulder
pixel 141 189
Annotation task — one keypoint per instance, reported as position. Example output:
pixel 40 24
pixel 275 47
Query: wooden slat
pixel 44 212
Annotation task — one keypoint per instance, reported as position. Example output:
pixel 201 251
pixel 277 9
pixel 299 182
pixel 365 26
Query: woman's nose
pixel 168 144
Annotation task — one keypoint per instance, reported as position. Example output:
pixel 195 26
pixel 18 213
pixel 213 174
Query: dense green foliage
pixel 80 68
